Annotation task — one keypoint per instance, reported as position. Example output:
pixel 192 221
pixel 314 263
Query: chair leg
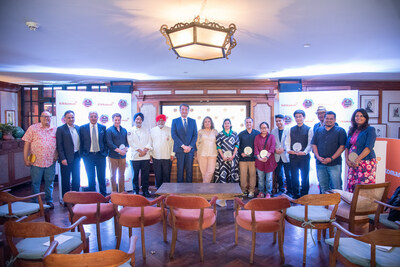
pixel 280 243
pixel 305 246
pixel 236 232
pixel 201 245
pixel 115 225
pixel 47 216
pixel 164 230
pixel 98 236
pixel 324 233
pixel 274 237
pixel 331 233
pixel 174 237
pixel 253 246
pixel 319 234
pixel 130 232
pixel 332 258
pixel 143 247
pixel 119 236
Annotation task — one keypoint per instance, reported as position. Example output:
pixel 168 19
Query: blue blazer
pixel 86 141
pixel 65 145
pixel 180 137
pixel 366 138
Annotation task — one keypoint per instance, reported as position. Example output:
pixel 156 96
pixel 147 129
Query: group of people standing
pixel 223 157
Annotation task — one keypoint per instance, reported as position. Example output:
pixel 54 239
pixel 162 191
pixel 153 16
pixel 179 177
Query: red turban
pixel 162 117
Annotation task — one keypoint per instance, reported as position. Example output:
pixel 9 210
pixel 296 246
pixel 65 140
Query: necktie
pixel 95 141
pixel 185 124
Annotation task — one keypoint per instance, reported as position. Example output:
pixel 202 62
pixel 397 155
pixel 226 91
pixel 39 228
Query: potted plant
pixel 7 130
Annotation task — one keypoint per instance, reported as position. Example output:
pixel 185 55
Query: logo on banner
pixel 87 102
pixel 288 120
pixel 308 103
pixel 122 103
pixel 347 102
pixel 104 119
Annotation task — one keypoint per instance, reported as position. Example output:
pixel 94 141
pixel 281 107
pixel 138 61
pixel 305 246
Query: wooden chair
pixel 112 257
pixel 191 214
pixel 30 250
pixel 362 250
pixel 380 220
pixel 312 215
pixel 262 215
pixel 355 207
pixel 138 212
pixel 14 207
pixel 94 206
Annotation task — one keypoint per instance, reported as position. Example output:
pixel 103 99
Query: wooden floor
pixel 222 253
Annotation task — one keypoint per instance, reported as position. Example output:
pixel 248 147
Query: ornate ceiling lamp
pixel 201 41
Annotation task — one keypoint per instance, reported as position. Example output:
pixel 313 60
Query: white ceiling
pixel 82 41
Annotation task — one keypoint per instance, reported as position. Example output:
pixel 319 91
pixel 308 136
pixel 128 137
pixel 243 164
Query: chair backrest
pixel 364 196
pixel 16 229
pixel 84 197
pixel 268 204
pixel 319 199
pixel 187 202
pixel 129 200
pixel 112 257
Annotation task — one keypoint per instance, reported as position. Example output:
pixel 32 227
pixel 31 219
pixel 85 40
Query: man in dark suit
pixel 68 153
pixel 184 133
pixel 94 152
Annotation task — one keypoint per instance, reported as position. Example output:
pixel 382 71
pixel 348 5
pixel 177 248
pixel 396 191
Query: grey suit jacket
pixel 278 144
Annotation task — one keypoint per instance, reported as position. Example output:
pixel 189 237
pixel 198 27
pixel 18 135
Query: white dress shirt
pixel 75 137
pixel 307 149
pixel 162 143
pixel 139 138
pixel 91 137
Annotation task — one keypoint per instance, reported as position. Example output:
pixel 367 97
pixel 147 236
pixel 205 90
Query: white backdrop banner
pixel 343 103
pixel 106 104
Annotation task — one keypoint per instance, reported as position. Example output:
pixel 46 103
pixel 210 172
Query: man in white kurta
pixel 162 153
pixel 140 145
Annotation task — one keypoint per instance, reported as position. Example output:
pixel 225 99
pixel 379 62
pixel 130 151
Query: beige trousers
pixel 247 175
pixel 120 165
pixel 207 167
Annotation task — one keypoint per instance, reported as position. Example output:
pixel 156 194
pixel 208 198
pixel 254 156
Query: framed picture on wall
pixel 394 112
pixel 371 105
pixel 380 129
pixel 10 117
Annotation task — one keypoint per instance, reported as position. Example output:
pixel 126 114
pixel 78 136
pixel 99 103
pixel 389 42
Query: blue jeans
pixel 329 175
pixel 264 181
pixel 48 173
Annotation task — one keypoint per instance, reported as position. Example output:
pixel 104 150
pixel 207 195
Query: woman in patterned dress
pixel 361 140
pixel 227 168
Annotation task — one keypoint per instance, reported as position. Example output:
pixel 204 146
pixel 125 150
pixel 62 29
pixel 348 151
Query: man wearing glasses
pixel 40 154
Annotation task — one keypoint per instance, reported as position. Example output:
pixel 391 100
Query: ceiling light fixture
pixel 200 40
pixel 33 26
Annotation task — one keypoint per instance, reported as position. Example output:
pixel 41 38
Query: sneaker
pixel 244 194
pixel 267 196
pixel 251 195
pixel 51 205
pixel 260 195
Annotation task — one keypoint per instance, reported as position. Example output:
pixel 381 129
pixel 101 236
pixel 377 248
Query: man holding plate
pixel 246 158
pixel 328 144
pixel 117 142
pixel 298 146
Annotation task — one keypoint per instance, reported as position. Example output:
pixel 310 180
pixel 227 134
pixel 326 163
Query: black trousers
pixel 300 164
pixel 95 162
pixel 162 170
pixel 73 168
pixel 142 166
pixel 283 170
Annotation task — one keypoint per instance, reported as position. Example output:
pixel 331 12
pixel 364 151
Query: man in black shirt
pixel 328 144
pixel 246 158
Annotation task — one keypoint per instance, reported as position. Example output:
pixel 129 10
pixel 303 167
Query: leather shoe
pixel 51 205
pixel 146 194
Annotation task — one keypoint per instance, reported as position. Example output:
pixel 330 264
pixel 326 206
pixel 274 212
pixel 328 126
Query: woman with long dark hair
pixel 360 155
